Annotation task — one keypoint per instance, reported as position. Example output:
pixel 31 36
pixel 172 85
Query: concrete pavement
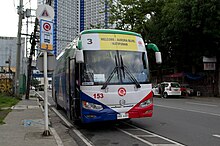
pixel 25 126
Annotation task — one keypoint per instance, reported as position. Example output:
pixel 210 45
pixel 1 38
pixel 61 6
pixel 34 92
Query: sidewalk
pixel 25 126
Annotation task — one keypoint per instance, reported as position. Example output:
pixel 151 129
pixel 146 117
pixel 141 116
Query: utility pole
pixel 18 59
pixel 33 44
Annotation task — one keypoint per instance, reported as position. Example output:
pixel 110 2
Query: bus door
pixel 73 89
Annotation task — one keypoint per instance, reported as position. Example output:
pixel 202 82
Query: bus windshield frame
pixel 124 67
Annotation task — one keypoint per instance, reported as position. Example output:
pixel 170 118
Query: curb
pixel 54 133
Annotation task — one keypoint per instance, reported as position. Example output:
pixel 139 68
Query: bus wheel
pixel 165 95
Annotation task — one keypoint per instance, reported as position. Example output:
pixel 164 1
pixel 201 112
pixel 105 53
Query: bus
pixel 103 75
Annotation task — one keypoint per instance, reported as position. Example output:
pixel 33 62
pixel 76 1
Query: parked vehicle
pixel 155 90
pixel 186 89
pixel 167 89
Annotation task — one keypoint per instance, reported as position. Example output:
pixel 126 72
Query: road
pixel 187 121
pixel 190 121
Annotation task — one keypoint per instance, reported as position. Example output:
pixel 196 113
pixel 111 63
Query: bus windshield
pixel 100 64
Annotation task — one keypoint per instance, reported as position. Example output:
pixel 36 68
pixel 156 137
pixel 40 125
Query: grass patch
pixel 3 114
pixel 6 101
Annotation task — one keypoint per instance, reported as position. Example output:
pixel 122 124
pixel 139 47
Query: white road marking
pixel 132 135
pixel 78 133
pixel 213 114
pixel 216 135
pixel 84 139
pixel 202 104
pixel 62 117
pixel 147 135
pixel 57 138
pixel 42 98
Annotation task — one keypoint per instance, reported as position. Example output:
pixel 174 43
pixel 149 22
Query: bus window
pixel 95 70
pixel 137 66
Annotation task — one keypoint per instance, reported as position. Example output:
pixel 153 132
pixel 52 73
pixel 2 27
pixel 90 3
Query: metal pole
pixel 18 59
pixel 26 40
pixel 46 129
pixel 33 44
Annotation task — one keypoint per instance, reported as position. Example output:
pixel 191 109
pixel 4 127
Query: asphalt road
pixel 189 121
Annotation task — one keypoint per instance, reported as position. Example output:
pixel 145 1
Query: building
pixel 98 10
pixel 72 17
pixel 8 53
pixel 66 23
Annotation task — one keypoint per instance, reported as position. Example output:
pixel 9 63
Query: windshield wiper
pixel 110 77
pixel 124 68
pixel 111 74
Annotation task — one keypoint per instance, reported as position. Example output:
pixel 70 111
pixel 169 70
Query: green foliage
pixel 35 82
pixel 184 30
pixel 3 114
pixel 6 102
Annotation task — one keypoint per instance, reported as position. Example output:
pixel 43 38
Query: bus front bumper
pixel 139 112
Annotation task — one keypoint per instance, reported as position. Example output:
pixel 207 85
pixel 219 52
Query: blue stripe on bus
pixel 95 116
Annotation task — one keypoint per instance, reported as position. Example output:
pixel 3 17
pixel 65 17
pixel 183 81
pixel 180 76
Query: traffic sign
pixel 47 26
pixel 46 35
pixel 45 12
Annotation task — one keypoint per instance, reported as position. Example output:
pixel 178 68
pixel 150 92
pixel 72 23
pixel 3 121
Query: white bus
pixel 104 75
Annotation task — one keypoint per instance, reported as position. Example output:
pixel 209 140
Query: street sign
pixel 46 35
pixel 45 12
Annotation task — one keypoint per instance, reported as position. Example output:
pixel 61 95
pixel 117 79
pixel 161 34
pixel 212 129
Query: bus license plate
pixel 122 116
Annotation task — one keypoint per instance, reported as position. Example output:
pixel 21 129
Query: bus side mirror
pixel 158 57
pixel 79 56
pixel 79 45
pixel 157 53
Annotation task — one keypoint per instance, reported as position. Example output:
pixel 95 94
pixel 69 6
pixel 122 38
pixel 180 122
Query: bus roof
pixel 110 31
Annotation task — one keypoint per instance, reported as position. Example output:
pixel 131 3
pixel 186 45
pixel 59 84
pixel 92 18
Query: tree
pixel 184 30
pixel 35 82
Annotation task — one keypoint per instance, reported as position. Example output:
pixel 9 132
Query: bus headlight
pixel 147 102
pixel 91 106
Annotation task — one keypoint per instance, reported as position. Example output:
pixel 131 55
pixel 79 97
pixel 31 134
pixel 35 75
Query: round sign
pixel 46 26
pixel 121 91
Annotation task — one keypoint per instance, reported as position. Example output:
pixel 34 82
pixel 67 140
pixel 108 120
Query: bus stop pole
pixel 46 129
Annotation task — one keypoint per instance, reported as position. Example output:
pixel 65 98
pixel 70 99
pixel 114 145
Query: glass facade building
pixel 72 17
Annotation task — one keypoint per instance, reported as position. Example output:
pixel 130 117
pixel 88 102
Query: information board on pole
pixel 46 35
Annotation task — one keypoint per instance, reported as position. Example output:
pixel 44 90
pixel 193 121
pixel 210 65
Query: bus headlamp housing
pixel 91 106
pixel 146 103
